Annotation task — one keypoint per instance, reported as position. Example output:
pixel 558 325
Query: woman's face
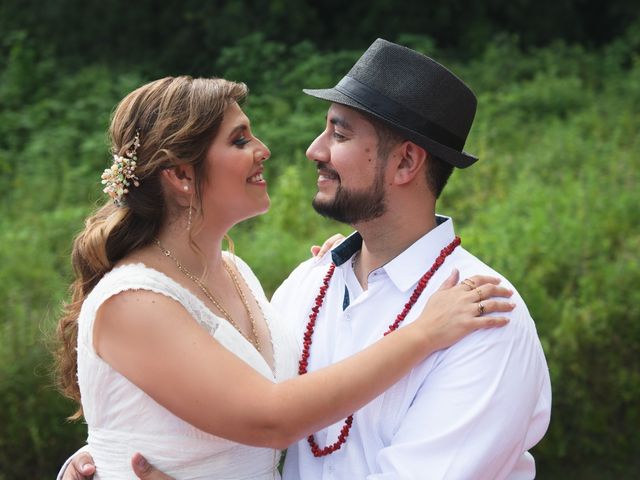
pixel 235 189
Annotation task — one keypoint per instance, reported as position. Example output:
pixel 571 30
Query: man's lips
pixel 325 174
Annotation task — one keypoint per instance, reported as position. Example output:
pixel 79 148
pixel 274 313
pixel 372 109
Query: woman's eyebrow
pixel 238 128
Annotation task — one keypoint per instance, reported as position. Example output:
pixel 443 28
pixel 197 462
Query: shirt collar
pixel 407 268
pixel 347 248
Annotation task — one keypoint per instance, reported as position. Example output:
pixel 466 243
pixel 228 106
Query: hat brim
pixel 449 155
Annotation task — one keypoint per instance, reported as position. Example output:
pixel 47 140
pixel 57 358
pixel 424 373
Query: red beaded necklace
pixel 308 336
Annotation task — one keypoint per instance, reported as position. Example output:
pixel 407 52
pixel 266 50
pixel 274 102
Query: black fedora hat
pixel 413 94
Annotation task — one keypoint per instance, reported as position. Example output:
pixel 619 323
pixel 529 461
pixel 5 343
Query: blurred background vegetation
pixel 553 203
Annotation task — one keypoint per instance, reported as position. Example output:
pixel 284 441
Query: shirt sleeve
pixel 292 290
pixel 483 404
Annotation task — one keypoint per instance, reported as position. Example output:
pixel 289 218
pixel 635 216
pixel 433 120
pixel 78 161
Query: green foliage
pixel 183 36
pixel 34 435
pixel 52 144
pixel 554 207
pixel 552 204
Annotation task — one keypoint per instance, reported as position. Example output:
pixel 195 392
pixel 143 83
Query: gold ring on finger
pixel 469 283
pixel 480 308
pixel 479 294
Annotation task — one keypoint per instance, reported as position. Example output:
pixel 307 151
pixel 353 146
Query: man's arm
pixel 477 412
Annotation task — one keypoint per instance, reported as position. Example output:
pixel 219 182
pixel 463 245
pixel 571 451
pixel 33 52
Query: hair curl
pixel 178 118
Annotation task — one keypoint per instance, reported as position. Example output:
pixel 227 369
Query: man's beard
pixel 351 207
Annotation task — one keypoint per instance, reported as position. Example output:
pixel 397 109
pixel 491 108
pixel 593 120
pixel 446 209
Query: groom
pixel 395 129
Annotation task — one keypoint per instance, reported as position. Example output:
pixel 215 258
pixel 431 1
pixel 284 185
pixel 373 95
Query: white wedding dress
pixel 122 419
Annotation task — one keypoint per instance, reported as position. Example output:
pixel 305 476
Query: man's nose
pixel 317 151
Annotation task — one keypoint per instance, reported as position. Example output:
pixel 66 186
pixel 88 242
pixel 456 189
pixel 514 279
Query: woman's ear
pixel 179 180
pixel 412 162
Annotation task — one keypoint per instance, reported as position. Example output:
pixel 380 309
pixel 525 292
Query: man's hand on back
pixel 145 471
pixel 81 467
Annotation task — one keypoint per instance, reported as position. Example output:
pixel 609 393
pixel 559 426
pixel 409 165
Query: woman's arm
pixel 155 343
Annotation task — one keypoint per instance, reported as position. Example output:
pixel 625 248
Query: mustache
pixel 328 172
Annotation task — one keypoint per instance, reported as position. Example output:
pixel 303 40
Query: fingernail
pixel 142 462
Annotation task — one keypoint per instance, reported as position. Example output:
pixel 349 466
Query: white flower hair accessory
pixel 122 174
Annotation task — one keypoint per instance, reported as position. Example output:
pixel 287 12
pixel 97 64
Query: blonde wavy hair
pixel 177 118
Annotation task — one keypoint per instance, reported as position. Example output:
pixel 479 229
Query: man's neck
pixel 385 238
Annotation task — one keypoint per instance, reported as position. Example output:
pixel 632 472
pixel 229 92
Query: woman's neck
pixel 198 252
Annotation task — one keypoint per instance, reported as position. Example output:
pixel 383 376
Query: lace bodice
pixel 122 419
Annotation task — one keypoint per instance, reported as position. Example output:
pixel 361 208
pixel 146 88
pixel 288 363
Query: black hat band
pixel 396 113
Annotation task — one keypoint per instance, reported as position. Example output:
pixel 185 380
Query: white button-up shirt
pixel 469 412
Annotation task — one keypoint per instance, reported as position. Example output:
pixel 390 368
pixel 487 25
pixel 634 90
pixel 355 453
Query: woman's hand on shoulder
pixel 329 243
pixel 457 309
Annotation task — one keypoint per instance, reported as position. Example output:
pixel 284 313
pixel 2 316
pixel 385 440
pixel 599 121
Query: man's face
pixel 350 174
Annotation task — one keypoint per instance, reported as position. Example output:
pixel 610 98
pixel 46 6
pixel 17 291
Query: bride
pixel 169 344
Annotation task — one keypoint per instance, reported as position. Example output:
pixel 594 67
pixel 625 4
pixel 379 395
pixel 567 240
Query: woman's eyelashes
pixel 241 141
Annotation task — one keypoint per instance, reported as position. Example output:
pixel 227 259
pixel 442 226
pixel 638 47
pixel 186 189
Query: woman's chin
pixel 261 210
pixel 266 206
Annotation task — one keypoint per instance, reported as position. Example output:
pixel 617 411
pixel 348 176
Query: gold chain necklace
pixel 256 341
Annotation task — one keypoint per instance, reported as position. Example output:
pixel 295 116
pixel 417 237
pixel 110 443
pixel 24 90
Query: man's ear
pixel 412 161
pixel 179 180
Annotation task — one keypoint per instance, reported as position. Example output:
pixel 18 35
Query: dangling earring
pixel 189 218
pixel 186 189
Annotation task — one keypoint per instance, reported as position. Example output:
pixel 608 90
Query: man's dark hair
pixel 388 137
pixel 437 171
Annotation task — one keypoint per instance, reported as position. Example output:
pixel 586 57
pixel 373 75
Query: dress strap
pixel 139 277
